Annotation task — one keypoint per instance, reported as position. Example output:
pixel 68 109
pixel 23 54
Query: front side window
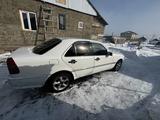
pixel 99 49
pixel 28 20
pixel 62 22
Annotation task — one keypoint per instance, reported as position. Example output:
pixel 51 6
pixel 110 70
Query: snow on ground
pixel 133 93
pixel 3 56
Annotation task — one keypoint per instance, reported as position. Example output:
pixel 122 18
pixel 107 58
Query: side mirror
pixel 110 54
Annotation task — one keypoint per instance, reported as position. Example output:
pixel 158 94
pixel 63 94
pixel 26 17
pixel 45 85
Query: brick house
pixel 72 18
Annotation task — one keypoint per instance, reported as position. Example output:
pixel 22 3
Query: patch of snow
pixel 110 91
pixel 147 52
pixel 109 44
pixel 3 57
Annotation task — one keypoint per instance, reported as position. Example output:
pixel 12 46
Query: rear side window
pixel 79 49
pixel 83 49
pixel 46 46
pixel 71 52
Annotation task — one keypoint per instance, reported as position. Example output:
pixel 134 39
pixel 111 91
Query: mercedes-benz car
pixel 55 63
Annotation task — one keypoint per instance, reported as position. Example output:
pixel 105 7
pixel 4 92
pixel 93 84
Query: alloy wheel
pixel 60 83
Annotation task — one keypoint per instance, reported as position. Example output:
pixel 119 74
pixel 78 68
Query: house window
pixel 62 22
pixel 80 25
pixel 28 20
pixel 61 2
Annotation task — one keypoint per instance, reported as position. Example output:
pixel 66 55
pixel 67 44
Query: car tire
pixel 58 82
pixel 118 65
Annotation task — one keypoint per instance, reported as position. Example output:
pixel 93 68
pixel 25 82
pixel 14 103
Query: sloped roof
pixel 98 14
pixel 129 32
pixel 155 39
pixel 77 5
pixel 143 39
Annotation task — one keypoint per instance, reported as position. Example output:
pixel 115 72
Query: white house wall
pixel 78 5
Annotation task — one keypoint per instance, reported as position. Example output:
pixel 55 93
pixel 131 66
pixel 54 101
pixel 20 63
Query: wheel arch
pixel 63 71
pixel 113 69
pixel 120 60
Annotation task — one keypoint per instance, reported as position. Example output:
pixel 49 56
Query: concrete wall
pixel 13 36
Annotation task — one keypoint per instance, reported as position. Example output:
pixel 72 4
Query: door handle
pixel 72 61
pixel 97 59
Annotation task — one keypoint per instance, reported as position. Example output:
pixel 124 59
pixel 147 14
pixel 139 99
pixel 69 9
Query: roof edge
pixel 67 7
pixel 98 14
pixel 130 32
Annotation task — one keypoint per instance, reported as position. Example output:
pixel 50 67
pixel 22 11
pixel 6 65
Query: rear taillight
pixel 12 67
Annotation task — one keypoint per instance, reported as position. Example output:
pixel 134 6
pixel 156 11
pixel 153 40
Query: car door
pixel 79 58
pixel 103 61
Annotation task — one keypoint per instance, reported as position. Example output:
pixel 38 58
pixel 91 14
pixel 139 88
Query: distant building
pixel 115 39
pixel 154 41
pixel 142 39
pixel 129 35
pixel 157 44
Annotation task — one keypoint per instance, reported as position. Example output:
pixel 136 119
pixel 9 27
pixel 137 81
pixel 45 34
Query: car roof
pixel 72 40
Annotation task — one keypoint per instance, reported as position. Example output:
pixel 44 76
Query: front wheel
pixel 118 65
pixel 59 82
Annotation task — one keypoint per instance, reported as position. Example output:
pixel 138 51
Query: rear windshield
pixel 46 46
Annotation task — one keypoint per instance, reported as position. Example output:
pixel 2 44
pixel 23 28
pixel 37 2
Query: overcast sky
pixel 141 16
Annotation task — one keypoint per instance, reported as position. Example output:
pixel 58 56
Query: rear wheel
pixel 118 65
pixel 59 82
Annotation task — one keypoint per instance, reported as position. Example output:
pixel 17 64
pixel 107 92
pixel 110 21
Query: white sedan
pixel 55 63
